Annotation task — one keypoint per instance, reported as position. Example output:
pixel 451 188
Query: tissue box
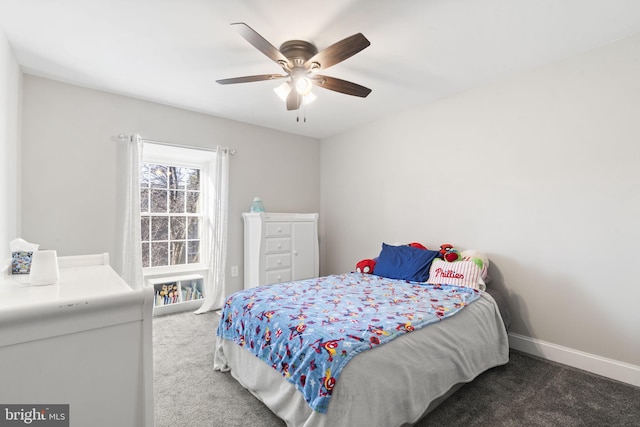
pixel 21 262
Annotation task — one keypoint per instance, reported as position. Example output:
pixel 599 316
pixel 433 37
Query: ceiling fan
pixel 301 63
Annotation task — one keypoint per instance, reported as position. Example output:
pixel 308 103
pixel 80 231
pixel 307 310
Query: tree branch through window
pixel 170 215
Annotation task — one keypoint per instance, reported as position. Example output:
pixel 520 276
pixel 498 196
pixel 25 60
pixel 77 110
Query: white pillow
pixel 458 273
pixel 473 255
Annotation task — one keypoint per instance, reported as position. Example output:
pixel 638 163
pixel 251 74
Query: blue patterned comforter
pixel 308 330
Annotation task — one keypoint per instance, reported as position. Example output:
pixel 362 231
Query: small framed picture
pixel 21 262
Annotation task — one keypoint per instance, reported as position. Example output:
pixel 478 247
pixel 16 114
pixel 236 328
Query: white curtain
pixel 216 207
pixel 131 261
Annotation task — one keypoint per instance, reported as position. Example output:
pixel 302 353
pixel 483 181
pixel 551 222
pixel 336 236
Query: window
pixel 170 215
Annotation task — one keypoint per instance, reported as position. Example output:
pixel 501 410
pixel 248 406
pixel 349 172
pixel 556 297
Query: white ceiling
pixel 172 51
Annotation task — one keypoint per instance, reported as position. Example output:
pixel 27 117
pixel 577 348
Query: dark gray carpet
pixel 526 392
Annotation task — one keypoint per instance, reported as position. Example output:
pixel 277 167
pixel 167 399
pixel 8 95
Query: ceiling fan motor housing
pixel 298 51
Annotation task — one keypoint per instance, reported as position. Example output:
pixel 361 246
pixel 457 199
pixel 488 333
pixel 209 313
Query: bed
pixel 406 342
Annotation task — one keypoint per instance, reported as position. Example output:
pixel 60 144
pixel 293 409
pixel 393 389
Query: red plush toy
pixel 417 245
pixel 449 253
pixel 366 266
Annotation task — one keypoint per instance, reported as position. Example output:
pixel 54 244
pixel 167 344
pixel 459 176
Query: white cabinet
pixel 85 342
pixel 279 247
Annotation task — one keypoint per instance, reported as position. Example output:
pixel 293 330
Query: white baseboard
pixel 610 368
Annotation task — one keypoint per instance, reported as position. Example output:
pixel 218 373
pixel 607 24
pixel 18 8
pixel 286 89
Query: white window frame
pixel 182 157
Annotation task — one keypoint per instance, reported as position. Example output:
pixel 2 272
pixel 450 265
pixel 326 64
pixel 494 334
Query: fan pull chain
pixel 304 117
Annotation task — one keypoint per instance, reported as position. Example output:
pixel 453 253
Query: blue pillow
pixel 404 263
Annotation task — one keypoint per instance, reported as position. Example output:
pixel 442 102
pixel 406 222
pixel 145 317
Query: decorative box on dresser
pixel 279 247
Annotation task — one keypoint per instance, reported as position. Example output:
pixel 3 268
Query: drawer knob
pixel 279 230
pixel 279 245
pixel 279 261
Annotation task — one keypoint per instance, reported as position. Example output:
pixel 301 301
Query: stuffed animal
pixel 417 245
pixel 443 249
pixel 366 266
pixel 449 253
pixel 452 255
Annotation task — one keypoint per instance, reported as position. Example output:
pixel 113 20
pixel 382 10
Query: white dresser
pixel 280 247
pixel 85 342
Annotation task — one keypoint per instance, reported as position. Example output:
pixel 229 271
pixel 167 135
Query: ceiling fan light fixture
pixel 303 86
pixel 308 98
pixel 283 91
pixel 300 61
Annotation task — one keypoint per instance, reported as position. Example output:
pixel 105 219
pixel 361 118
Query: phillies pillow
pixel 459 273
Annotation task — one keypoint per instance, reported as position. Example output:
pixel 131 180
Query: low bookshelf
pixel 177 293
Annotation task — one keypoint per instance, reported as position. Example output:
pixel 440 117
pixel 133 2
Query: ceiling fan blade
pixel 262 44
pixel 294 99
pixel 338 52
pixel 247 79
pixel 339 85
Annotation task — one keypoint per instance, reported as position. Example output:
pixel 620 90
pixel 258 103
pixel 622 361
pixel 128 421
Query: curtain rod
pixel 123 137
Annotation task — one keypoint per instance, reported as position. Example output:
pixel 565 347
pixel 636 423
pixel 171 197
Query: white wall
pixel 541 171
pixel 10 97
pixel 70 165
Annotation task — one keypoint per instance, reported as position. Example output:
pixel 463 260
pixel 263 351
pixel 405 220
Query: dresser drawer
pixel 277 229
pixel 278 276
pixel 276 245
pixel 276 261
